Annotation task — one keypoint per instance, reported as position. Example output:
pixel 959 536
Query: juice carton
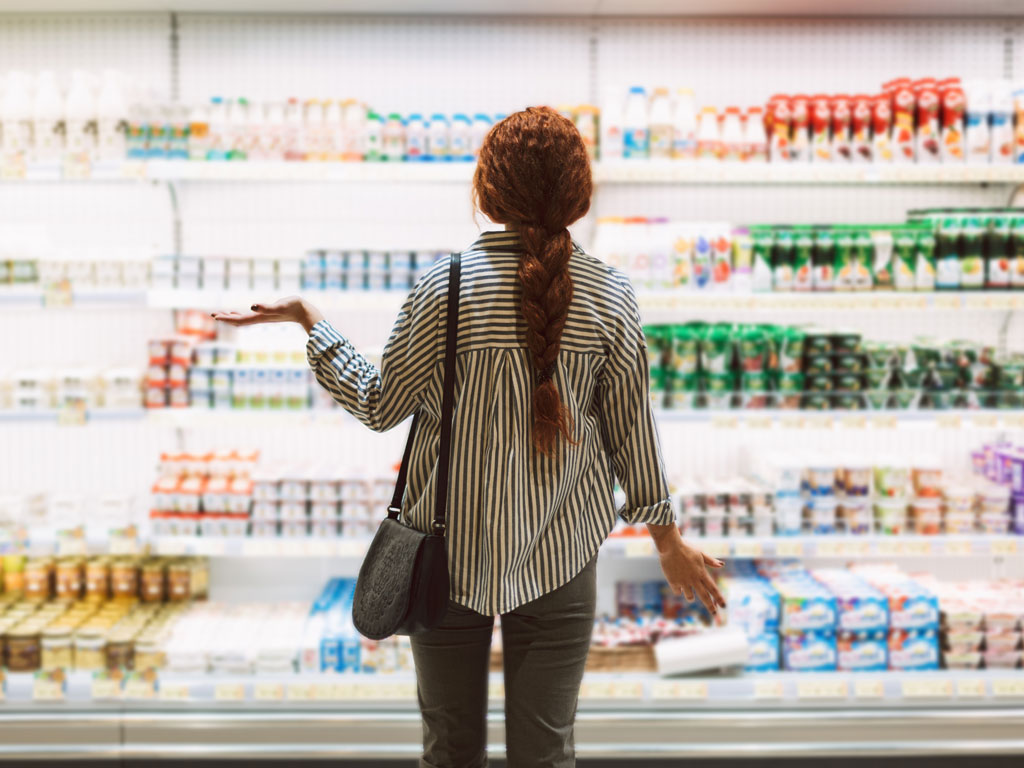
pixel 803 256
pixel 881 128
pixel 863 651
pixel 1018 135
pixel 904 102
pixel 1001 121
pixel 861 148
pixel 763 245
pixel 721 258
pixel 978 136
pixel 926 94
pixel 778 127
pixel 821 124
pixel 904 260
pixel 953 105
pixel 842 147
pixel 913 649
pixel 810 652
pixel 800 137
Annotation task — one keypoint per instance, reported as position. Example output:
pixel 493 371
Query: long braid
pixel 534 174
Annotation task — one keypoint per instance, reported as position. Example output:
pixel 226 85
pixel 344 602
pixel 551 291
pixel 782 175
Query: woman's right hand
pixel 290 309
pixel 686 567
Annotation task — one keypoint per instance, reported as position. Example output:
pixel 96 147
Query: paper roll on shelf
pixel 713 649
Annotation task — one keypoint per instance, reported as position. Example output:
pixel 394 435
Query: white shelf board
pixel 621 172
pixel 850 547
pixel 534 7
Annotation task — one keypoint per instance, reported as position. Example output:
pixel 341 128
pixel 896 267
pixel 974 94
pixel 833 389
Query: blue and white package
pixel 809 652
pixel 863 651
pixel 763 652
pixel 913 650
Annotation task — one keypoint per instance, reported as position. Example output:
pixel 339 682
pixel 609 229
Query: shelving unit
pixel 282 209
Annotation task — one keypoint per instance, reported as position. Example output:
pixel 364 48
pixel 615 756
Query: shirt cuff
pixel 322 337
pixel 661 513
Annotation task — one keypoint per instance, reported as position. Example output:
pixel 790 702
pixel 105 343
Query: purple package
pixel 1017 514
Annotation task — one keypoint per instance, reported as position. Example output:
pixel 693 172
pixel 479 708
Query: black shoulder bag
pixel 402 587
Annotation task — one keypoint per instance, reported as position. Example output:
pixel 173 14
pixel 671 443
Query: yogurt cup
pixel 926 516
pixel 891 516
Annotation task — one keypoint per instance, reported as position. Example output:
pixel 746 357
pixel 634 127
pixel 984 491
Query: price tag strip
pixel 140 685
pixel 927 689
pixel 49 685
pixel 107 684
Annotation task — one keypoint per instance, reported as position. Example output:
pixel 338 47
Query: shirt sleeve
pixel 381 399
pixel 628 430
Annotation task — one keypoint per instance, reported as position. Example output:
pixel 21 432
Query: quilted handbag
pixel 402 587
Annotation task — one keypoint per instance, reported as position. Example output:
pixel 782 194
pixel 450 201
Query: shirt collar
pixel 505 240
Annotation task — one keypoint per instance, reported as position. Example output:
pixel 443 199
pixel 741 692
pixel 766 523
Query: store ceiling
pixel 542 7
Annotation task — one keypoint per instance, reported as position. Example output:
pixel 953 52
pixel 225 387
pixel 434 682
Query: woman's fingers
pixel 687 591
pixel 713 590
pixel 705 597
pixel 713 562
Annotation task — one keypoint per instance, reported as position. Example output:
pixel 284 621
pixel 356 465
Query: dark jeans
pixel 544 645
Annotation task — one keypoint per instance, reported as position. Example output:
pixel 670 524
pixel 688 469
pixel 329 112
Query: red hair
pixel 534 174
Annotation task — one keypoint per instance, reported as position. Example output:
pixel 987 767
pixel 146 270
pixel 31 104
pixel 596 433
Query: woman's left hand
pixel 292 309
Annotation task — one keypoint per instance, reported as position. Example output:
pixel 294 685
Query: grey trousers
pixel 544 645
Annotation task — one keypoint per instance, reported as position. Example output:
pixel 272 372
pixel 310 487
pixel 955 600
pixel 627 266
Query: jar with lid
pixel 120 649
pixel 14 574
pixel 70 575
pixel 148 653
pixel 97 579
pixel 56 648
pixel 200 586
pixel 37 580
pixel 24 653
pixel 152 586
pixel 179 581
pixel 124 577
pixel 90 649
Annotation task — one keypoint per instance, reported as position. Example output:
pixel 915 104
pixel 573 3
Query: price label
pixel 822 689
pixel 595 690
pixel 106 685
pixel 946 301
pixel 890 548
pixel 140 685
pixel 57 293
pixel 759 422
pixel 268 691
pixel 680 690
pixel 789 548
pixel 351 548
pixel 748 549
pixel 985 420
pixel 789 421
pixel 957 548
pixel 853 548
pixel 72 414
pixel 820 421
pixel 716 547
pixel 173 692
pixel 724 421
pixel 344 692
pixel 884 421
pixel 639 548
pixel 49 685
pixel 1008 688
pixel 229 692
pixel 869 689
pixel 325 691
pixel 301 692
pixel 917 548
pixel 768 689
pixel 927 689
pixel 970 689
pixel 854 421
pixel 948 420
pixel 1004 547
pixel 626 689
pixel 1013 420
pixel 496 691
pixel 827 548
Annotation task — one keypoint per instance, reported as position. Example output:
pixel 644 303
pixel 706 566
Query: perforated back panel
pixel 137 44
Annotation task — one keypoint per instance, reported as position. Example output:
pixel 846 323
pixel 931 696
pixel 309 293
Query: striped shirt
pixel 519 524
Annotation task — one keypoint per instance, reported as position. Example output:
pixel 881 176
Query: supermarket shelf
pixel 534 7
pixel 187 418
pixel 18 297
pixel 652 302
pixel 844 547
pixel 621 172
pixel 636 716
pixel 358 303
pixel 673 172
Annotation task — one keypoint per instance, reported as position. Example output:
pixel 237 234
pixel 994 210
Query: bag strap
pixel 439 523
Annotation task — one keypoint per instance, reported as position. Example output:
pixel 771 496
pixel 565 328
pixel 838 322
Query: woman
pixel 551 401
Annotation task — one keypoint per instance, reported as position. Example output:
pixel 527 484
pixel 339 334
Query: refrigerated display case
pixel 112 261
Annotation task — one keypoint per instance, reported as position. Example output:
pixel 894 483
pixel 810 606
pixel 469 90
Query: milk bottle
pixel 112 114
pixel 218 137
pixel 661 128
pixel 586 124
pixel 80 119
pixel 313 148
pixel 271 138
pixel 611 148
pixel 478 132
pixel 437 138
pixel 47 128
pixel 636 133
pixel 16 116
pixel 198 132
pixel 373 137
pixel 416 138
pixel 355 131
pixel 394 139
pixel 459 138
pixel 238 130
pixel 333 130
pixel 684 126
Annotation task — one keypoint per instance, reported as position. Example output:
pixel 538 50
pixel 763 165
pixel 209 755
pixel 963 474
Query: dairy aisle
pixel 822 218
